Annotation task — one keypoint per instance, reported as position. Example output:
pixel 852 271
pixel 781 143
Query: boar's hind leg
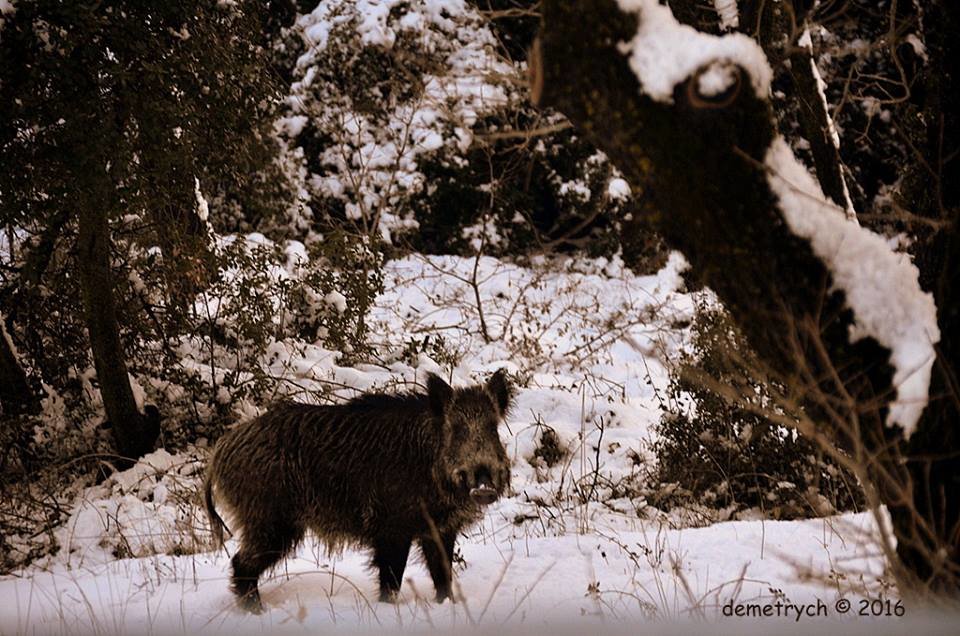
pixel 438 552
pixel 390 558
pixel 260 550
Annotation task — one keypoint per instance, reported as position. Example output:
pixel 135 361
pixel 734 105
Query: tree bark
pixel 934 192
pixel 705 156
pixel 777 27
pixel 817 127
pixel 133 433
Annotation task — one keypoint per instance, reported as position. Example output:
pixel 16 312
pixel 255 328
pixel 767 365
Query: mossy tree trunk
pixel 705 157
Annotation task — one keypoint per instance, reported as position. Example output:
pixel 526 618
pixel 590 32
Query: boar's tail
pixel 216 522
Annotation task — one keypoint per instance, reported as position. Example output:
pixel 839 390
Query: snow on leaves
pixel 383 83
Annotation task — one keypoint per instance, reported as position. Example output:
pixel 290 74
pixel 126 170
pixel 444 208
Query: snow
pixel 807 42
pixel 577 188
pixel 139 512
pixel 337 300
pixel 373 24
pixel 716 79
pixel 372 163
pixel 634 573
pixel 919 49
pixel 618 189
pixel 203 208
pixel 482 234
pixel 591 344
pixel 373 18
pixel 292 126
pixel 664 53
pixel 728 14
pixel 870 274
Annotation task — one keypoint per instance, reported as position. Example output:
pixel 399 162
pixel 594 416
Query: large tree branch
pixel 754 226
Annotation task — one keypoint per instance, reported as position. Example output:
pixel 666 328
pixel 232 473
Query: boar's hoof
pixel 250 602
pixel 483 495
pixel 389 596
pixel 443 596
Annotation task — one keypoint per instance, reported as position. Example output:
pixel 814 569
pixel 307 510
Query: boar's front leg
pixel 390 558
pixel 438 553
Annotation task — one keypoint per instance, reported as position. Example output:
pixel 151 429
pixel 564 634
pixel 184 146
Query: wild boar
pixel 379 471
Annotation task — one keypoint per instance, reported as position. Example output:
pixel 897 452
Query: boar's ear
pixel 500 389
pixel 439 393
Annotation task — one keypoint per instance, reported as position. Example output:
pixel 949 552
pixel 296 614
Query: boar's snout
pixel 483 495
pixel 480 482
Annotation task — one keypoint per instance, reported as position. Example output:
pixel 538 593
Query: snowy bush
pixel 344 277
pixel 413 127
pixel 723 460
pixel 265 300
pixel 201 356
pixel 151 508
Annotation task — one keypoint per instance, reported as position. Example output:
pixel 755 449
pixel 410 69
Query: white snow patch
pixel 727 11
pixel 292 126
pixel 919 48
pixel 665 53
pixel 577 188
pixel 371 166
pixel 881 286
pixel 203 208
pixel 628 576
pixel 133 513
pixel 139 395
pixel 618 189
pixel 373 22
pixel 716 79
pixel 336 300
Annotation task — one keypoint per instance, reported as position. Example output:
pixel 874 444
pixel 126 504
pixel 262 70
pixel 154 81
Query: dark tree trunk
pixel 705 155
pixel 934 454
pixel 16 395
pixel 817 127
pixel 134 434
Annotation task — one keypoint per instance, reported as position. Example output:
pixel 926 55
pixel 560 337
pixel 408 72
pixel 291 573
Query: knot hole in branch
pixel 715 85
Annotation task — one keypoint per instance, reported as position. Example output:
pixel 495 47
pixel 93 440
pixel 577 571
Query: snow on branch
pixel 664 52
pixel 728 14
pixel 881 286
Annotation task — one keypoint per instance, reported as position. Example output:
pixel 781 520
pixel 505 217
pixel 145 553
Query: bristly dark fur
pixel 379 471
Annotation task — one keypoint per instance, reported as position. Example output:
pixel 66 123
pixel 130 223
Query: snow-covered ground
pixel 607 574
pixel 574 545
